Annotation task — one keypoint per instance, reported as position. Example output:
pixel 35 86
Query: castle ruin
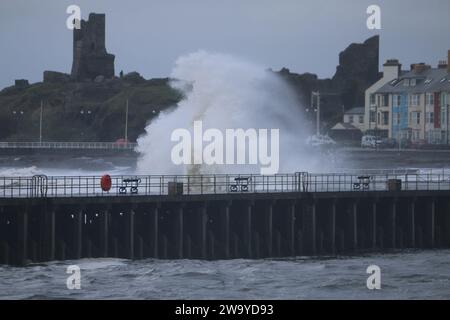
pixel 90 58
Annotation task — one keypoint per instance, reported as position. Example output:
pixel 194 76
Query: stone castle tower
pixel 90 58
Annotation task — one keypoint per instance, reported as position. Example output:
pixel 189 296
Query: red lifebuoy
pixel 105 182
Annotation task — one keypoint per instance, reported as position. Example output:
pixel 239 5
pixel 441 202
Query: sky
pixel 149 35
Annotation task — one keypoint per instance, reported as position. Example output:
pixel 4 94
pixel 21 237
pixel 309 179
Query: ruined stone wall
pixel 90 58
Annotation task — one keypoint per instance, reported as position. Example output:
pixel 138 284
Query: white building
pixel 391 71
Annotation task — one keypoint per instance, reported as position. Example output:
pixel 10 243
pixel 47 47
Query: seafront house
pixel 391 71
pixel 413 106
pixel 351 127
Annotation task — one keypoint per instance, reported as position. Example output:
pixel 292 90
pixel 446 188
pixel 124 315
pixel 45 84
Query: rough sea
pixel 404 275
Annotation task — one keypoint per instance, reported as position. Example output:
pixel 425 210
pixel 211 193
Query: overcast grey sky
pixel 148 35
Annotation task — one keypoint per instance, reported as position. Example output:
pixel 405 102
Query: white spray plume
pixel 227 93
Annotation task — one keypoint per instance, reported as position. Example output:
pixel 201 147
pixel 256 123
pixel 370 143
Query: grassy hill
pixel 83 111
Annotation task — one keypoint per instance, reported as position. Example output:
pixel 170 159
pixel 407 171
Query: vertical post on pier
pixel 314 228
pixel 394 222
pixel 291 228
pixel 313 212
pixel 51 234
pixel 269 228
pixel 333 226
pixel 130 240
pixel 203 223
pixel 248 229
pixel 22 240
pixel 412 223
pixel 355 225
pixel 78 233
pixel 309 227
pixel 154 228
pixel 179 231
pixel 432 223
pixel 373 224
pixel 104 222
pixel 226 230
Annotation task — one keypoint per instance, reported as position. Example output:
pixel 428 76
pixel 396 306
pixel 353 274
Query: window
pixel 412 82
pixel 372 99
pixel 350 119
pixel 385 118
pixel 385 100
pixel 429 99
pixel 406 82
pixel 372 116
pixel 414 117
pixel 378 118
pixel 430 117
pixel 414 100
pixel 361 119
pixel 397 100
pixel 396 119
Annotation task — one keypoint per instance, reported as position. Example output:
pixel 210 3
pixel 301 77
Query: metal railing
pixel 140 185
pixel 69 145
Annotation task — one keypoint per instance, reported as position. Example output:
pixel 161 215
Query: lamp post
pixel 126 123
pixel 84 114
pixel 40 122
pixel 17 115
pixel 318 94
pixel 447 107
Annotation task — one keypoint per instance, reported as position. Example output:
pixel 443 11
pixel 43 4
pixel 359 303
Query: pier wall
pixel 224 226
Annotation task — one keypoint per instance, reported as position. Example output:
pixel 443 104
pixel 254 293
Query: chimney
pixel 392 68
pixel 442 64
pixel 448 61
pixel 419 67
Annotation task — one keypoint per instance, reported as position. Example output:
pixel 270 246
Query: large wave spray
pixel 226 93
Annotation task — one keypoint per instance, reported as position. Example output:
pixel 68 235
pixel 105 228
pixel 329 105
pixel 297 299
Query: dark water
pixel 406 275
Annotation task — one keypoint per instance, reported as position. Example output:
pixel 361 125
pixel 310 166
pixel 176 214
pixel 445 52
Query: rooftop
pixel 357 110
pixel 414 81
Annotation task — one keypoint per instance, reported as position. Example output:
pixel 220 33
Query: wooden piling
pixel 394 223
pixel 269 228
pixel 203 223
pixel 130 240
pixel 212 245
pixel 432 223
pixel 49 235
pixel 78 223
pixel 188 244
pixel 104 223
pixel 373 224
pixel 333 226
pixel 310 228
pixel 140 247
pixel 115 243
pixel 355 225
pixel 412 226
pixel 226 230
pixel 248 230
pixel 154 225
pixel 291 228
pixel 5 252
pixel 179 231
pixel 22 240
